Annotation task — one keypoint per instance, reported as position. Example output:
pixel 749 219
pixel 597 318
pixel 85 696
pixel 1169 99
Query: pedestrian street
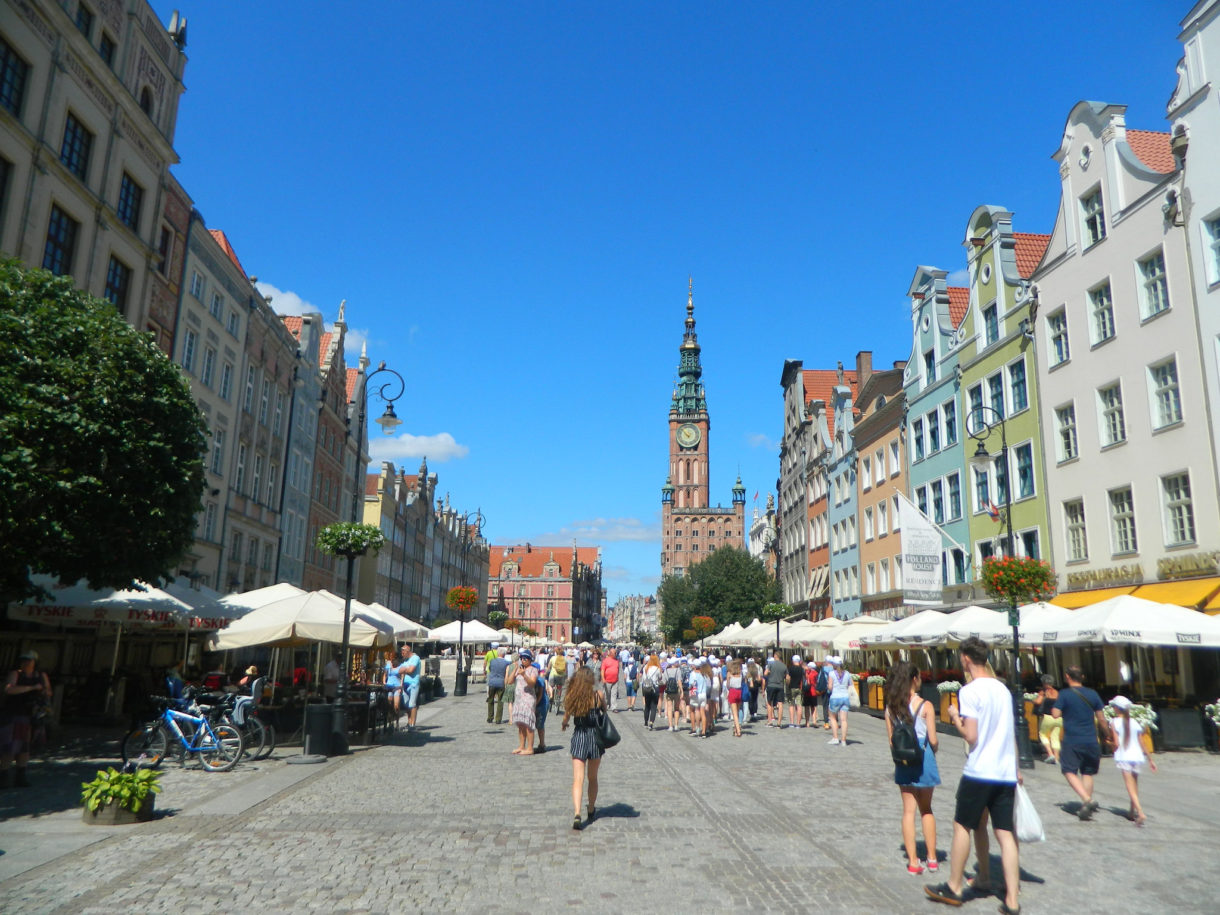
pixel 445 818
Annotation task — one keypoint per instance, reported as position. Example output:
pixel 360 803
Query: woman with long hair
pixel 582 698
pixel 650 686
pixel 734 683
pixel 524 675
pixel 840 696
pixel 915 781
pixel 1129 755
pixel 673 694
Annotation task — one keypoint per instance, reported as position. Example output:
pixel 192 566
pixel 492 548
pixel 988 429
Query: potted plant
pixel 114 798
pixel 1146 716
pixel 876 691
pixel 1018 580
pixel 948 690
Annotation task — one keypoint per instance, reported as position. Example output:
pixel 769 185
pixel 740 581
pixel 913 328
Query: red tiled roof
pixel 1152 148
pixel 530 561
pixel 1029 251
pixel 410 480
pixel 959 304
pixel 324 346
pixel 352 375
pixel 223 241
pixel 372 482
pixel 294 324
pixel 820 385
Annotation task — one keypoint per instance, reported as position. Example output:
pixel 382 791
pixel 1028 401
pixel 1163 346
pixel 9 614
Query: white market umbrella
pixel 1037 614
pixel 888 636
pixel 930 631
pixel 403 628
pixel 765 637
pixel 298 620
pixel 474 632
pixel 850 636
pixel 1129 620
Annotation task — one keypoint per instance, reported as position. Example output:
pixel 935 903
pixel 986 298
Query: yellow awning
pixel 1074 600
pixel 1190 592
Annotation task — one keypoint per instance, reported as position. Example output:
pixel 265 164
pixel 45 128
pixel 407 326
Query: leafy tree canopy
pixel 101 443
pixel 643 638
pixel 729 585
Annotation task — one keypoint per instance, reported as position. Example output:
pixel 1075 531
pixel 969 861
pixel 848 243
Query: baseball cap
pixel 796 659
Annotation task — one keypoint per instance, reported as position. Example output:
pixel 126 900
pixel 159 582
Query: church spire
pixel 688 392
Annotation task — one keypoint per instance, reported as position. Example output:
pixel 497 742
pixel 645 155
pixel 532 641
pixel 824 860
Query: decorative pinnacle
pixel 690 303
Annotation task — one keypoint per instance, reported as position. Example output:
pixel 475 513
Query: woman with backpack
pixel 650 687
pixel 734 682
pixel 910 724
pixel 673 694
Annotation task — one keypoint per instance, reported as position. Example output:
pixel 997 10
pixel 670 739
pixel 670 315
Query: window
pixel 1110 407
pixel 895 463
pixel 1094 217
pixel 278 421
pixel 78 142
pixel 146 101
pixel 1154 286
pixel 239 476
pixel 118 283
pixel 84 21
pixel 226 380
pixel 1102 308
pixel 991 323
pixel 197 285
pixel 131 197
pixel 982 491
pixel 252 554
pixel 218 451
pixel 1211 231
pixel 1166 399
pixel 266 557
pixel 921 499
pixel 248 403
pixel 263 401
pixel 164 248
pixel 61 242
pixel 1029 544
pixel 1179 512
pixel 933 433
pixel 866 473
pixel 1122 520
pixel 1065 419
pixel 1057 327
pixel 959 567
pixel 234 323
pixel 190 340
pixel 208 371
pixel 954 481
pixel 883 519
pixel 895 517
pixel 1077 538
pixel 948 411
pixel 13 73
pixel 938 501
pixel 917 438
pixel 235 551
pixel 217 308
pixel 974 398
pixel 105 48
pixel 209 522
pixel 256 483
pixel 868 524
pixel 1017 386
pixel 995 393
pixel 883 572
pixel 1025 470
pixel 929 366
pixel 1001 479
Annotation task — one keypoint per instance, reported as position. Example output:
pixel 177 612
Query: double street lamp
pixel 982 421
pixel 388 392
pixel 475 520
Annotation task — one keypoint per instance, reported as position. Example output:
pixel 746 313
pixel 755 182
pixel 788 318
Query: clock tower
pixel 691 527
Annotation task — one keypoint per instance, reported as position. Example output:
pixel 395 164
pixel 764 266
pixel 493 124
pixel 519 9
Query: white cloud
pixel 437 448
pixel 596 531
pixel 617 573
pixel 959 277
pixel 353 341
pixel 285 302
pixel 760 440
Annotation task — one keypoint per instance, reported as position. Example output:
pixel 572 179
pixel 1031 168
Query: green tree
pixel 101 443
pixel 677 597
pixel 643 638
pixel 729 585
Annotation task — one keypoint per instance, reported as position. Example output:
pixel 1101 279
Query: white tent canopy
pixel 1032 615
pixel 472 632
pixel 298 620
pixel 848 638
pixel 933 627
pixel 1128 620
pixel 383 617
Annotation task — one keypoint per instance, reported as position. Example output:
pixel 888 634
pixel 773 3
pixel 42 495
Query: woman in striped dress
pixel 582 697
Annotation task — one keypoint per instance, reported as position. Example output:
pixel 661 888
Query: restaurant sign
pixel 1131 574
pixel 1190 565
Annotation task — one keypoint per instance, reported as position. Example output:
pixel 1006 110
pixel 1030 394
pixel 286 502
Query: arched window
pixel 146 101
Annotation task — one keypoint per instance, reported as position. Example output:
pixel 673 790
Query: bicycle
pixel 242 713
pixel 219 747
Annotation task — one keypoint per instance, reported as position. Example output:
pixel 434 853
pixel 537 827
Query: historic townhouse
pixel 88 104
pixel 553 590
pixel 297 484
pixel 1132 481
pixel 841 508
pixel 878 434
pixel 936 465
pixel 998 381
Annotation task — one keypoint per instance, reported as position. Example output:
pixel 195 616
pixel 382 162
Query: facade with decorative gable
pixel 841 513
pixel 555 591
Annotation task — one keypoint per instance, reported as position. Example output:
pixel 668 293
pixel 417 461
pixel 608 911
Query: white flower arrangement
pixel 948 686
pixel 1213 712
pixel 1031 697
pixel 1144 714
pixel 875 680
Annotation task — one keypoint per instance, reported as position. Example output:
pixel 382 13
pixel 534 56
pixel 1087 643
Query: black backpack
pixel 904 744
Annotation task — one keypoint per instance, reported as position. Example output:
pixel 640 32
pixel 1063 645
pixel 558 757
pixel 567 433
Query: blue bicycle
pixel 218 746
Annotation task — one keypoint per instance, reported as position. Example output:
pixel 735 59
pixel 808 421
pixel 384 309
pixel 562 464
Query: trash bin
pixel 317 729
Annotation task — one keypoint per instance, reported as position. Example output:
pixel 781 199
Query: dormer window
pixel 1093 215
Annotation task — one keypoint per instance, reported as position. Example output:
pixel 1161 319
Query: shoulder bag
pixel 605 734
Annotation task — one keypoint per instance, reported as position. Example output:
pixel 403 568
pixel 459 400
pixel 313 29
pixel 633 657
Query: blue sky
pixel 510 197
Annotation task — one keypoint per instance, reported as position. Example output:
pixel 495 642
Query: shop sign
pixel 1190 565
pixel 1131 574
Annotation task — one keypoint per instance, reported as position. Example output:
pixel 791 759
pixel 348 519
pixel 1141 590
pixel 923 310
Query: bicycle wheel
pixel 269 746
pixel 254 736
pixel 221 748
pixel 146 746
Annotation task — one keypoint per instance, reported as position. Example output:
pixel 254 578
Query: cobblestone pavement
pixel 446 819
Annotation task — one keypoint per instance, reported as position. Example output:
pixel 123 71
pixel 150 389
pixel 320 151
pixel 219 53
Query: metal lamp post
pixel 388 421
pixel 982 421
pixel 479 519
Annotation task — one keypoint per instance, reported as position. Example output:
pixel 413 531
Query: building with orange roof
pixel 556 591
pixel 297 478
pixel 691 527
pixel 1118 346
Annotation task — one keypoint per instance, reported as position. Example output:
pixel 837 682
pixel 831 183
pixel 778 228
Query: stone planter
pixel 947 701
pixel 113 815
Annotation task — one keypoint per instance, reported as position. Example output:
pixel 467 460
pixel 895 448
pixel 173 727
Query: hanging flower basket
pixel 461 598
pixel 1018 580
pixel 350 540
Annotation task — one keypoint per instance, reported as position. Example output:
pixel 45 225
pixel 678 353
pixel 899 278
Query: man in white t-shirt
pixel 984 717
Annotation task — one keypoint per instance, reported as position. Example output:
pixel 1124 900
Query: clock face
pixel 688 435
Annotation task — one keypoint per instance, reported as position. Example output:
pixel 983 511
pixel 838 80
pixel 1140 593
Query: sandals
pixel 1005 910
pixel 942 893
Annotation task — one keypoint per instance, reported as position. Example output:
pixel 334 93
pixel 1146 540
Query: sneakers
pixel 1087 809
pixel 942 893
pixel 834 741
pixel 933 866
pixel 914 870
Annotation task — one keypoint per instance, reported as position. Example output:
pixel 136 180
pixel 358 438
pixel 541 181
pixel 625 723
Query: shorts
pixel 630 687
pixel 775 695
pixel 734 696
pixel 698 701
pixel 974 796
pixel 1135 768
pixel 792 695
pixel 809 700
pixel 410 692
pixel 839 704
pixel 540 711
pixel 1079 759
pixel 558 680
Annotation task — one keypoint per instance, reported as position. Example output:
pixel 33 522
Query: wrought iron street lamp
pixel 982 421
pixel 389 391
pixel 473 521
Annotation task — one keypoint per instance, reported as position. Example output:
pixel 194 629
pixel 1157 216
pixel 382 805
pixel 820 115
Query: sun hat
pixel 527 654
pixel 251 671
pixel 1122 703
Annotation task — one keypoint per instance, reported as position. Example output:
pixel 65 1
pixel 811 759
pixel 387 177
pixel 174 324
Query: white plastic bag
pixel 1027 823
pixel 853 696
